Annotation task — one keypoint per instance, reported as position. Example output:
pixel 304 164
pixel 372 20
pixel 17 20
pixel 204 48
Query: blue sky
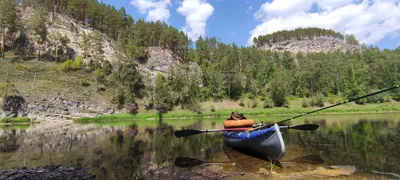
pixel 374 22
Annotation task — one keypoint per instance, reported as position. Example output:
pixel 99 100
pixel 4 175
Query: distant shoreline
pixel 183 114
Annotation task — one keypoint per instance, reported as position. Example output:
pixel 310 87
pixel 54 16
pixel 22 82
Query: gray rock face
pixel 306 46
pixel 56 108
pixel 13 106
pixel 161 60
pixel 48 172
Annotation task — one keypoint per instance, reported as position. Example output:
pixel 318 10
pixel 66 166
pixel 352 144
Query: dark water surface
pixel 356 146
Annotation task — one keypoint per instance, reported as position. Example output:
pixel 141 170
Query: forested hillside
pixel 132 34
pixel 233 72
pixel 227 71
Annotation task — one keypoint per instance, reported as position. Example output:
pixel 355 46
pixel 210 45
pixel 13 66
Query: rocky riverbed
pixel 48 172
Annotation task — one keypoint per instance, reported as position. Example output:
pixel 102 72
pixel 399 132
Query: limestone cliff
pixel 308 46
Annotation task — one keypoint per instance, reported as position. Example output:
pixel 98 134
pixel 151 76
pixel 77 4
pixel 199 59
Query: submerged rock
pixel 48 172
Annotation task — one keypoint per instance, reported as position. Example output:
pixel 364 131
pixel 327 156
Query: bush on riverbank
pixel 15 120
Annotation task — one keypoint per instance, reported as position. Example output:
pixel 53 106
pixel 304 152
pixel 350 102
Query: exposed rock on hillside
pixel 307 46
pixel 75 31
pixel 161 60
pixel 59 108
pixel 13 106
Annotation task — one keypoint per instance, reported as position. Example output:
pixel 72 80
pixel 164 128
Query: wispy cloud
pixel 196 12
pixel 250 8
pixel 232 33
pixel 369 20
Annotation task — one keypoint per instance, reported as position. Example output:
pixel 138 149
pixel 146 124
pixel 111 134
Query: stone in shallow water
pixel 47 173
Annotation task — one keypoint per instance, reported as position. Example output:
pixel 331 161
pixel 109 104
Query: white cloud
pixel 196 12
pixel 369 20
pixel 250 8
pixel 155 9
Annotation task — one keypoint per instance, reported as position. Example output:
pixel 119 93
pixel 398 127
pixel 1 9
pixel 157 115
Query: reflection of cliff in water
pixel 9 141
pixel 369 145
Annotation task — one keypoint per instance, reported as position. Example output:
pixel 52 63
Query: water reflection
pixel 142 151
pixel 368 145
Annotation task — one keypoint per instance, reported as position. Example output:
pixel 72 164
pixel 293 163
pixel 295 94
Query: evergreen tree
pixel 8 21
pixel 37 25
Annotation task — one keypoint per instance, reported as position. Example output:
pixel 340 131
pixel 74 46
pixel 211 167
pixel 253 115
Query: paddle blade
pixel 187 162
pixel 305 127
pixel 188 132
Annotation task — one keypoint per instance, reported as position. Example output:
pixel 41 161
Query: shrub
pixel 83 82
pixel 278 89
pixel 251 96
pixel 254 104
pixel 241 103
pixel 195 107
pixel 132 108
pixel 318 100
pixel 268 103
pixel 119 98
pixel 71 65
pixel 15 120
pixel 379 98
pixel 333 99
pixel 100 77
pixel 305 103
pixel 212 108
pixel 362 101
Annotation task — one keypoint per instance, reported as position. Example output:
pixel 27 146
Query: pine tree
pixel 8 21
pixel 37 24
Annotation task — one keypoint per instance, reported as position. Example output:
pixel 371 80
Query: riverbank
pixel 281 111
pixel 10 121
pixel 48 172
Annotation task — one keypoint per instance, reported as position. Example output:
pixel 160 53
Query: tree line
pixel 303 34
pixel 233 72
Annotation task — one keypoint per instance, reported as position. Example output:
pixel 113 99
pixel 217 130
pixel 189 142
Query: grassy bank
pixel 176 114
pixel 21 120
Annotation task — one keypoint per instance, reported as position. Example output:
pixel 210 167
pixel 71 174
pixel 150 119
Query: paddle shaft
pixel 244 129
pixel 331 106
pixel 228 129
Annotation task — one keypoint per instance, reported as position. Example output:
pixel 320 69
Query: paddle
pixel 191 132
pixel 331 106
pixel 187 162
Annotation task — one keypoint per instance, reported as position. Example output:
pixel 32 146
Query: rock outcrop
pixel 75 31
pixel 48 172
pixel 161 60
pixel 57 108
pixel 13 106
pixel 308 46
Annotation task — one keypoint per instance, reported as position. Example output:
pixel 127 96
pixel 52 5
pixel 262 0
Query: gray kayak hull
pixel 270 144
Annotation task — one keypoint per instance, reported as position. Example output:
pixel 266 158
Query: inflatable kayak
pixel 268 141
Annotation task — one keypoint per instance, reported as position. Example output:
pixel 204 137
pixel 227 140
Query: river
pixel 351 146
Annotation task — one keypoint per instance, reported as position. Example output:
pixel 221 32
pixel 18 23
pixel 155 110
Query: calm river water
pixel 354 146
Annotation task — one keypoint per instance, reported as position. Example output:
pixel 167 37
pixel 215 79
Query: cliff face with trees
pixel 307 40
pixel 226 70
